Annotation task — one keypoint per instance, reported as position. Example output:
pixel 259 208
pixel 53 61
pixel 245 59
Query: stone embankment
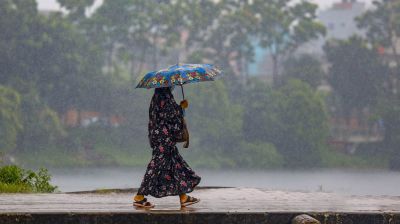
pixel 217 205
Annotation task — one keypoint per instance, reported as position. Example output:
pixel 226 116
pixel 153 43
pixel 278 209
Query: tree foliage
pixel 214 117
pixel 356 73
pixel 305 68
pixel 293 118
pixel 90 62
pixel 14 179
pixel 10 119
pixel 383 25
pixel 283 26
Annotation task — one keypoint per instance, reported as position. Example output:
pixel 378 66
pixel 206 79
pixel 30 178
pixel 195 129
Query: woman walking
pixel 167 173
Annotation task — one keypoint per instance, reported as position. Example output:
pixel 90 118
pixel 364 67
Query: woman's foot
pixel 143 204
pixel 186 200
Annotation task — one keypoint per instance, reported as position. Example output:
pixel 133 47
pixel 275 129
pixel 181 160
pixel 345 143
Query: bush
pixel 11 175
pixel 14 179
pixel 10 119
pixel 259 155
pixel 292 118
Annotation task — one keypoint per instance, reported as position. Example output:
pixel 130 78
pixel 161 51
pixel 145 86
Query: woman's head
pixel 163 93
pixel 163 90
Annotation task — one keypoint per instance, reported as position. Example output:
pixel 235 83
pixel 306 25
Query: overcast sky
pixel 52 4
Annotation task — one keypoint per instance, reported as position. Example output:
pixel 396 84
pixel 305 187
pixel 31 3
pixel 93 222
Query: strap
pixel 190 199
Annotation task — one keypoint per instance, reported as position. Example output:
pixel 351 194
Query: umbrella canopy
pixel 179 74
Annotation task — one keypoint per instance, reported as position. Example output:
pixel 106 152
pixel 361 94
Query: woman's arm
pixel 174 120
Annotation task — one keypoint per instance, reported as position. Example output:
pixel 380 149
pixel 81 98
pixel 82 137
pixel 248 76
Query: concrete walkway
pixel 222 201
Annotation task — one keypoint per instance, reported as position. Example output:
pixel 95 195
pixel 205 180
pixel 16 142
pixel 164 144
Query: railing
pixel 360 135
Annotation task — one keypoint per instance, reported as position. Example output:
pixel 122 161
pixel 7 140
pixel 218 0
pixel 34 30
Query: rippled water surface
pixel 338 181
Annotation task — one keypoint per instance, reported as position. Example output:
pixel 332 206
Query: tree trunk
pixel 109 60
pixel 142 59
pixel 393 41
pixel 155 58
pixel 275 71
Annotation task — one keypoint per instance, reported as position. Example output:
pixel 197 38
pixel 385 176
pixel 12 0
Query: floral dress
pixel 167 173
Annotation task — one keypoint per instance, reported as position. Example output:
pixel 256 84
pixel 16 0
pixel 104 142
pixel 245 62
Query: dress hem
pixel 177 194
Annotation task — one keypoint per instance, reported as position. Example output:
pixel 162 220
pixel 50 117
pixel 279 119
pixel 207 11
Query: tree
pixel 76 8
pixel 48 54
pixel 356 73
pixel 222 125
pixel 306 68
pixel 10 120
pixel 42 126
pixel 305 125
pixel 283 26
pixel 52 67
pixel 70 66
pixel 18 39
pixel 224 37
pixel 292 118
pixel 228 43
pixel 130 35
pixel 383 25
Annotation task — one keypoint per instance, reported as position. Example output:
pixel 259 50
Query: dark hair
pixel 163 90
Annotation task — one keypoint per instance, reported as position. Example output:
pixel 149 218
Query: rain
pixel 307 99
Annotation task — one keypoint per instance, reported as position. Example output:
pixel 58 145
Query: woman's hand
pixel 184 104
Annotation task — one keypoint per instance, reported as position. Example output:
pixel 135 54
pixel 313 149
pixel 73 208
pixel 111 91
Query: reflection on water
pixel 338 181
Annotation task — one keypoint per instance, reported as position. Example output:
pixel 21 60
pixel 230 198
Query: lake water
pixel 349 182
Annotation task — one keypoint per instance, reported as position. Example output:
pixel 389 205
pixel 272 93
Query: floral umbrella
pixel 179 74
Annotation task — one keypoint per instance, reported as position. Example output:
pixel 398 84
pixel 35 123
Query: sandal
pixel 189 201
pixel 143 204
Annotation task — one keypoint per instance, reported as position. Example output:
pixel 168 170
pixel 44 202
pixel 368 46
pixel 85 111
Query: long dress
pixel 167 173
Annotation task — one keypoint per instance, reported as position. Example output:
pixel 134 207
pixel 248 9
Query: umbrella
pixel 179 74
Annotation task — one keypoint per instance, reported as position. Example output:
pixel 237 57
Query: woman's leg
pixel 183 197
pixel 138 197
pixel 187 200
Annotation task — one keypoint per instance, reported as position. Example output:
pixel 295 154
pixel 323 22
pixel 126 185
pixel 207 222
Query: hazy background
pixel 53 4
pixel 308 99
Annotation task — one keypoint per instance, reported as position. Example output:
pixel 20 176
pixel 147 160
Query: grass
pixel 14 179
pixel 51 158
pixel 332 159
pixel 15 188
pixel 107 154
pixel 100 155
pixel 126 157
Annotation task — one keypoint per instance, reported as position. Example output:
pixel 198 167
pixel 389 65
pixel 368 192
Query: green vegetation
pixel 292 118
pixel 14 179
pixel 53 64
pixel 383 30
pixel 356 73
pixel 10 121
pixel 285 27
pixel 305 68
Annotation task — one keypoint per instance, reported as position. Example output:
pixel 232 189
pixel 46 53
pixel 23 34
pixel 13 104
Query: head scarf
pixel 165 116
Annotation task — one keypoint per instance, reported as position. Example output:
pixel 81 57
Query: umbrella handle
pixel 183 94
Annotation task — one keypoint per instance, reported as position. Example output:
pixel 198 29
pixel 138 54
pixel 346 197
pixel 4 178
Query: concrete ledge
pixel 217 205
pixel 180 218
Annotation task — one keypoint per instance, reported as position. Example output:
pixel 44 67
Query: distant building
pixel 340 23
pixel 339 19
pixel 262 65
pixel 78 118
pixel 48 12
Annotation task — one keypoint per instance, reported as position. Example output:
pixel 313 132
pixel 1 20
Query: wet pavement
pixel 220 200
